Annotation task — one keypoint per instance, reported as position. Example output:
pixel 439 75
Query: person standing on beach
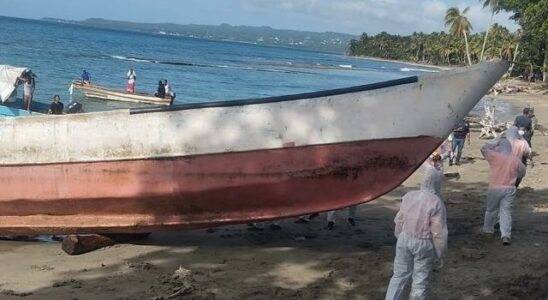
pixel 29 85
pixel 131 77
pixel 433 171
pixel 505 168
pixel 525 125
pixel 421 229
pixel 460 133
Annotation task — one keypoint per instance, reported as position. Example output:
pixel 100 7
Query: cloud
pixel 480 16
pixel 372 16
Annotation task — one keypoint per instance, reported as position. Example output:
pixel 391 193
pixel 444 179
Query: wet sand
pixel 309 261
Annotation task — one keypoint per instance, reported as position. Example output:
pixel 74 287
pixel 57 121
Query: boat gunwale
pixel 284 98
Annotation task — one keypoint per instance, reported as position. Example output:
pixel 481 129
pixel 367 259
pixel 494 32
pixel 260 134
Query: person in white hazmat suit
pixel 432 169
pixel 505 168
pixel 421 229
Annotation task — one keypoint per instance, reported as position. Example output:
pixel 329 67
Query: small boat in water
pixel 99 92
pixel 211 164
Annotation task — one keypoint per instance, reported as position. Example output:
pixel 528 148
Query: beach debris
pixel 489 126
pixel 14 293
pixel 73 283
pixel 506 88
pixel 141 266
pixel 541 129
pixel 472 254
pixel 79 244
pixel 182 281
pixel 42 268
pixel 176 285
pixel 452 175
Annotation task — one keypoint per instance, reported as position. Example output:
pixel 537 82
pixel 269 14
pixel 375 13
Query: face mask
pixel 521 132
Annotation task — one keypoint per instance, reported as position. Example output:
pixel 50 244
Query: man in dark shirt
pixel 56 106
pixel 460 133
pixel 86 77
pixel 525 125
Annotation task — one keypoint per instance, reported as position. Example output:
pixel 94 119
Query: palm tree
pixel 507 51
pixel 495 8
pixel 459 25
pixel 517 38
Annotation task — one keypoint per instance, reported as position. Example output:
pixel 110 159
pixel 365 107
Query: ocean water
pixel 198 70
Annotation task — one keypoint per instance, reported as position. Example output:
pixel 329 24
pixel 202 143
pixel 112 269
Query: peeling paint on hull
pixel 206 190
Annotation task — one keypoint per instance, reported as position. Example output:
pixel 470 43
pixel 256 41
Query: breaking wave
pixel 418 70
pixel 188 64
pixel 131 59
pixel 286 67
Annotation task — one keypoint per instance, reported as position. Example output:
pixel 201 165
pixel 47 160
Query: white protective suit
pixel 421 230
pixel 432 176
pixel 505 168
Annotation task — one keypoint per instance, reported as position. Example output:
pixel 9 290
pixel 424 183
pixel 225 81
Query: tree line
pixel 528 46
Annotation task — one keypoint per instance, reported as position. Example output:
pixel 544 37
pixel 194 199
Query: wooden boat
pixel 95 91
pixel 201 165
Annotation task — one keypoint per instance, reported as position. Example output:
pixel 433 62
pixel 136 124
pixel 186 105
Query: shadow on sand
pixel 310 262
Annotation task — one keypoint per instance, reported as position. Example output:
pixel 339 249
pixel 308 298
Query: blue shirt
pixel 461 130
pixel 523 121
pixel 85 76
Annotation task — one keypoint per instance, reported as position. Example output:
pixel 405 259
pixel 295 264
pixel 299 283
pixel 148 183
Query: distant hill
pixel 322 41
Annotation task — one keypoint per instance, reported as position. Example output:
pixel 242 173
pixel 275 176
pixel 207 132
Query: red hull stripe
pixel 207 190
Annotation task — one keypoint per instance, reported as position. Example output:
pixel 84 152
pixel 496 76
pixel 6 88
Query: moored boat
pixel 210 164
pixel 99 92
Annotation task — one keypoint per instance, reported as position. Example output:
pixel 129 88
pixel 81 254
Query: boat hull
pixel 98 92
pixel 209 164
pixel 200 191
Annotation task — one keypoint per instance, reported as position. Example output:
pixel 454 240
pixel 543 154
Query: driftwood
pixel 541 129
pixel 79 244
pixel 489 127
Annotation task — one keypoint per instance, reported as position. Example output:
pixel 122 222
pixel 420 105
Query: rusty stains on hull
pixel 189 192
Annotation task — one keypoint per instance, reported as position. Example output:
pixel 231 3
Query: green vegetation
pixel 528 46
pixel 439 48
pixel 532 16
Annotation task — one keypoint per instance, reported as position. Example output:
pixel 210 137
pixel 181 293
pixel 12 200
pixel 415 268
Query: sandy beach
pixel 308 261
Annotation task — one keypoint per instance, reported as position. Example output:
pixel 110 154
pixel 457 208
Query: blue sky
pixel 346 16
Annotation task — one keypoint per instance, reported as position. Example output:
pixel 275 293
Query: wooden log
pixel 79 244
